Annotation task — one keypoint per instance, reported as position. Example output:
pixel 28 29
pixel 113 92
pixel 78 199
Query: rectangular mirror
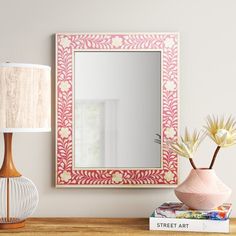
pixel 117 109
pixel 117 105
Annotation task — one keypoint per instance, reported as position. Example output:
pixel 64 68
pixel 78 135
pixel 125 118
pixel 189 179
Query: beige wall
pixel 208 84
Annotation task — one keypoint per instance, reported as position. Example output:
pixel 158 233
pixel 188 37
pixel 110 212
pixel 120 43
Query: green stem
pixel 192 163
pixel 214 157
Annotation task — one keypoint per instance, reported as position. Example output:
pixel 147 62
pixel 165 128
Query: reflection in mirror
pixel 117 113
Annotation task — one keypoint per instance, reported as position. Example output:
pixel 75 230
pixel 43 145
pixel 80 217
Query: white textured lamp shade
pixel 25 104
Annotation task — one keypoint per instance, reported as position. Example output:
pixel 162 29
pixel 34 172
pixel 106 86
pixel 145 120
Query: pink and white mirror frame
pixel 66 45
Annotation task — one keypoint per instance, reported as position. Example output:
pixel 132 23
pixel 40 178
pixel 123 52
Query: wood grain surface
pixel 94 226
pixel 8 168
pixel 25 97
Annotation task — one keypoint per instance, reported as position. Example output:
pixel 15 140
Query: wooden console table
pixel 93 227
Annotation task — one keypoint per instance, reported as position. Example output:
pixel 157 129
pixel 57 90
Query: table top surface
pixel 95 226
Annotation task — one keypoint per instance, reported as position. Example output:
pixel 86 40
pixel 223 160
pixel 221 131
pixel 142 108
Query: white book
pixel 191 225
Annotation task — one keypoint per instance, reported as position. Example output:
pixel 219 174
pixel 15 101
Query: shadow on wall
pixel 53 114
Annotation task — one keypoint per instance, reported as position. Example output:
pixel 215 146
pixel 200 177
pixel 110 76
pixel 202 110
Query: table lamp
pixel 25 106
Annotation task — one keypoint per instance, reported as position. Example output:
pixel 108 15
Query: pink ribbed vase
pixel 202 190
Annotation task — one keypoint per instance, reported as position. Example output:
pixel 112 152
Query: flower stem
pixel 214 157
pixel 192 163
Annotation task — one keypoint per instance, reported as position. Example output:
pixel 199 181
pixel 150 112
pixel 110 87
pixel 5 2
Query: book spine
pixel 170 224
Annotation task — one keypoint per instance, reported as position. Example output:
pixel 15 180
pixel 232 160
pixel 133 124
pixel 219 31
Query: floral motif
pixel 170 86
pixel 64 132
pixel 169 176
pixel 65 176
pixel 65 42
pixel 64 86
pixel 117 177
pixel 117 41
pixel 170 132
pixel 169 42
pixel 64 61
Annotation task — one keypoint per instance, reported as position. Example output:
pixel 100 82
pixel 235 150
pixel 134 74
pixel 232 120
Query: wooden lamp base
pixel 12 225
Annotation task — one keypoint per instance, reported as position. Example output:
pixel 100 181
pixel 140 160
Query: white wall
pixel 208 83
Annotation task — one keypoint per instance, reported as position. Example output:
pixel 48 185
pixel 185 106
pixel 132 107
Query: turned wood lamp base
pixel 12 225
pixel 20 194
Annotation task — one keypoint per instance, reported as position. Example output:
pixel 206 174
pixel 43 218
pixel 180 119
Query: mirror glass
pixel 117 113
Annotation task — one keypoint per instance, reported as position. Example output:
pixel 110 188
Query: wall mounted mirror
pixel 117 106
pixel 117 109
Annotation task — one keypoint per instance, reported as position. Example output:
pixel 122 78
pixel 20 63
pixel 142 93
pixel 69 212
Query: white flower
pixel 117 177
pixel 169 176
pixel 65 42
pixel 64 86
pixel 170 86
pixel 169 42
pixel 222 131
pixel 170 132
pixel 64 132
pixel 117 41
pixel 65 176
pixel 188 144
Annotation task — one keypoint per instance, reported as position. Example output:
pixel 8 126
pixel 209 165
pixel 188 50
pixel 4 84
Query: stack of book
pixel 172 216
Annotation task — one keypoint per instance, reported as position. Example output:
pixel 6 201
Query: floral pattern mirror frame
pixel 66 44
